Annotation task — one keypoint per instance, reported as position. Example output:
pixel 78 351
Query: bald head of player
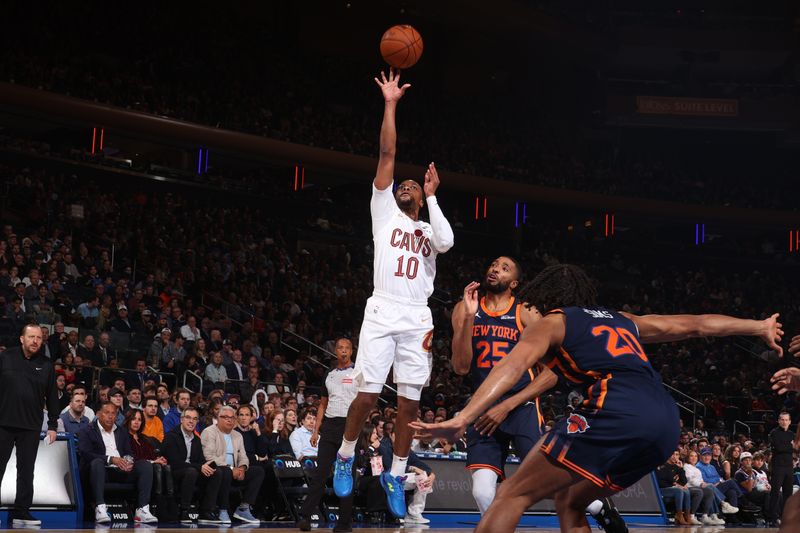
pixel 410 198
pixel 502 275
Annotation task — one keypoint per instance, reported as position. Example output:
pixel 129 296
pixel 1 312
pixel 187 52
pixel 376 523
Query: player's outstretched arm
pixel 491 419
pixel 668 328
pixel 392 93
pixel 534 343
pixel 463 319
pixel 443 237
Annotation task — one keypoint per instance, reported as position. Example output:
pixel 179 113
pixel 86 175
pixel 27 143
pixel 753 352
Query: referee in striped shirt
pixel 338 393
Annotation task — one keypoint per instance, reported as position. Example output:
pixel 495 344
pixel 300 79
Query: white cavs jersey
pixel 405 257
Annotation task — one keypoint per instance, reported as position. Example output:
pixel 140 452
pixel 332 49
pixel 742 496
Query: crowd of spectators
pixel 274 90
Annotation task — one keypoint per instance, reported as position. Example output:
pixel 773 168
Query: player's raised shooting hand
pixel 772 333
pixel 451 430
pixel 390 87
pixel 431 180
pixel 786 379
pixel 471 298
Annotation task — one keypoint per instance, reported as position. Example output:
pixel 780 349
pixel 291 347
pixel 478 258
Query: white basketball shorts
pixel 394 335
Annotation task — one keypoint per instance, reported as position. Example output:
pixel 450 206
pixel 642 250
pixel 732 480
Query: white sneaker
pixel 415 519
pixel 719 521
pixel 101 515
pixel 728 508
pixel 693 519
pixel 707 520
pixel 143 516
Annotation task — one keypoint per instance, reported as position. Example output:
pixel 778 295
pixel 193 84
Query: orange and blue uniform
pixel 493 337
pixel 627 424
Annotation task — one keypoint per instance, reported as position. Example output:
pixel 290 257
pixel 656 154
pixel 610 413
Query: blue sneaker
pixel 224 517
pixel 343 476
pixel 395 493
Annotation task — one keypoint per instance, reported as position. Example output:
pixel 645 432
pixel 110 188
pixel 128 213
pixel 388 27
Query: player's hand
pixel 794 345
pixel 431 180
pixel 772 333
pixel 785 380
pixel 488 422
pixel 391 88
pixel 471 298
pixel 51 436
pixel 314 439
pixel 452 429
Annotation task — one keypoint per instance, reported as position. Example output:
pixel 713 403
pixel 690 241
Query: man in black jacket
pixel 184 454
pixel 27 386
pixel 106 454
pixel 781 441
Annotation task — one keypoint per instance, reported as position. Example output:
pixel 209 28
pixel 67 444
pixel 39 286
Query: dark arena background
pixel 207 167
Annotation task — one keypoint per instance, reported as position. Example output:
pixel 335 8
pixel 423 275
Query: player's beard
pixel 407 206
pixel 496 288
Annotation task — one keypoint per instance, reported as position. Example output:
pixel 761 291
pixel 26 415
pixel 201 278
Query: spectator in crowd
pixel 116 396
pixel 747 478
pixel 728 488
pixel 184 454
pixel 709 504
pixel 290 418
pixel 215 373
pixel 159 347
pixel 106 454
pixel 190 331
pixel 74 418
pixel 143 447
pixel 173 419
pixel 89 351
pixel 153 427
pixel 673 485
pixel 134 397
pixel 107 352
pixel 163 397
pixel 236 370
pixel 173 357
pixel 762 477
pixel 62 397
pixel 89 311
pixel 277 434
pixel 301 436
pixel 731 463
pixel 255 444
pixel 122 323
pixel 225 447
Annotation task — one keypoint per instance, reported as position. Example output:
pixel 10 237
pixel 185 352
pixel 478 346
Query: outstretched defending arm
pixel 392 93
pixel 443 237
pixel 669 328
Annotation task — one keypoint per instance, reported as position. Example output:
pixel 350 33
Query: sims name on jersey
pixel 597 313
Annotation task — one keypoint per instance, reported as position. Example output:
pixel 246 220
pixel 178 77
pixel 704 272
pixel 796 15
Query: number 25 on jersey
pixel 491 353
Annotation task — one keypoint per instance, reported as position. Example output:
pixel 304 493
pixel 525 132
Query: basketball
pixel 401 46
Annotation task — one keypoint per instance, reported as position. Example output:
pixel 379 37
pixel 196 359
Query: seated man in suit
pixel 105 454
pixel 225 447
pixel 184 454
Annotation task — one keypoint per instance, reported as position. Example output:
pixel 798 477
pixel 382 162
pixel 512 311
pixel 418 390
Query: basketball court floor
pixel 281 528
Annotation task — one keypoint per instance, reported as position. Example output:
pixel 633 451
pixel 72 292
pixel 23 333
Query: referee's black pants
pixel 27 442
pixel 330 440
pixel 781 481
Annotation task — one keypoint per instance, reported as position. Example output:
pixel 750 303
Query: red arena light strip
pixel 94 138
pixel 303 178
pixel 477 206
pixel 485 203
pixel 296 171
pixel 102 134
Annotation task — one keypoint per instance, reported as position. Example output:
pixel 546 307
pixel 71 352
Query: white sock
pixel 399 465
pixel 348 448
pixel 595 507
pixel 484 486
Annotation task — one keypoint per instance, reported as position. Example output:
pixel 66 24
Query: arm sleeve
pixel 443 237
pixel 382 207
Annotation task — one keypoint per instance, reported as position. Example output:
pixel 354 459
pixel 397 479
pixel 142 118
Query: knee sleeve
pixel 374 388
pixel 409 391
pixel 484 486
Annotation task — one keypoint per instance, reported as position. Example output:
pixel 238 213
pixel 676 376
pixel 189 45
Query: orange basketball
pixel 401 46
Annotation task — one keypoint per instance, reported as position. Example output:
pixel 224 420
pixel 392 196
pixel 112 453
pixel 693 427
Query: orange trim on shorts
pixel 603 390
pixel 611 485
pixel 580 471
pixel 487 467
pixel 498 313
pixel 546 449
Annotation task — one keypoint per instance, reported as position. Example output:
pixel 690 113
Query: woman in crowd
pixel 277 434
pixel 143 447
pixel 290 418
pixel 731 462
pixel 709 504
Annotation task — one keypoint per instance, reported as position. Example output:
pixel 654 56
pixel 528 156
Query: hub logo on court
pixel 577 424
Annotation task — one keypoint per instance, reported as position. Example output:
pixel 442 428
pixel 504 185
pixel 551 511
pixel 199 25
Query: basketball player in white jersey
pixel 397 329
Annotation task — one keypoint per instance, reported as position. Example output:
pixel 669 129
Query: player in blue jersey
pixel 628 423
pixel 485 330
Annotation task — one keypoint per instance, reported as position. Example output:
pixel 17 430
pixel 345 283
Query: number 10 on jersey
pixel 407 268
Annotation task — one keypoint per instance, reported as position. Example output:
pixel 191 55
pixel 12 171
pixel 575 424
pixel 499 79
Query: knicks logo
pixel 577 424
pixel 427 341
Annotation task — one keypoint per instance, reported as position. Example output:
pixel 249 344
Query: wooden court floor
pixel 415 529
